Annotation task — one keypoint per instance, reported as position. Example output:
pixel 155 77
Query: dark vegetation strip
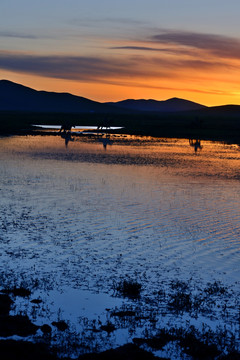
pixel 206 124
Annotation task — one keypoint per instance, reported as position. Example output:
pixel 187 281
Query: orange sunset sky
pixel 110 51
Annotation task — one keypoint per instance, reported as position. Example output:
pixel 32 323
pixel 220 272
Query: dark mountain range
pixel 22 106
pixel 16 97
pixel 170 105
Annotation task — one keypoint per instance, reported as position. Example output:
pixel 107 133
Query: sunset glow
pixel 109 53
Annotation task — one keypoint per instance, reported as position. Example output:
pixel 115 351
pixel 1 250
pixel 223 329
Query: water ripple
pixel 85 214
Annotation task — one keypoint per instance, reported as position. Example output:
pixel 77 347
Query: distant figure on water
pixel 106 123
pixel 196 144
pixel 65 131
pixel 67 126
pixel 106 141
pixel 66 135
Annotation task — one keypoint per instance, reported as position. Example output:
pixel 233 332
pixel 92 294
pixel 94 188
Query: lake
pixel 79 217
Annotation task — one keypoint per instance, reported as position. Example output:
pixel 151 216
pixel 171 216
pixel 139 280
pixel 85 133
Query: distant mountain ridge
pixel 16 97
pixel 170 105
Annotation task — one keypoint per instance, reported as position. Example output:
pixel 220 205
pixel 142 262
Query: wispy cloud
pixel 95 21
pixel 141 48
pixel 132 71
pixel 168 50
pixel 87 68
pixel 18 35
pixel 218 45
pixel 188 50
pixel 74 67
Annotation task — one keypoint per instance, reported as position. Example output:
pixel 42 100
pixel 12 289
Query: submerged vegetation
pixel 128 287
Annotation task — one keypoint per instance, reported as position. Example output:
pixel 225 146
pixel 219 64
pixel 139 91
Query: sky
pixel 109 50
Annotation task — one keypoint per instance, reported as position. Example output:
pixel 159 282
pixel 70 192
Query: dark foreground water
pixel 77 220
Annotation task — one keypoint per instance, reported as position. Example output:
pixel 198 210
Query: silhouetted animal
pixel 67 126
pixel 106 123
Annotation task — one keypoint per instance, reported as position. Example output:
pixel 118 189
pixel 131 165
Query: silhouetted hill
pixel 16 97
pixel 170 105
pixel 223 109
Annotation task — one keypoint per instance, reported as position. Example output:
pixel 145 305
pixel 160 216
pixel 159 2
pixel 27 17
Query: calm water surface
pixel 83 217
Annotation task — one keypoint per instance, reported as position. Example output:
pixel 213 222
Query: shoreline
pixel 226 139
pixel 214 126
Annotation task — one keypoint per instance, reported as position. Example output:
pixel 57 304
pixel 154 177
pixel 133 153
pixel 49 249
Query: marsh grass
pixel 215 289
pixel 18 291
pixel 174 300
pixel 129 288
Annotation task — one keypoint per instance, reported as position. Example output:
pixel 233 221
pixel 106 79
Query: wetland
pixel 119 244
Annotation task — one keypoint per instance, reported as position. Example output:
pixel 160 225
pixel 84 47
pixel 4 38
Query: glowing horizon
pixel 125 54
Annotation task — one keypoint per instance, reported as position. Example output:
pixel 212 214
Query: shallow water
pixel 83 217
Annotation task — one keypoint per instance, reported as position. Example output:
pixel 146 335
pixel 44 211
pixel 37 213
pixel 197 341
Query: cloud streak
pixel 12 34
pixel 218 45
pixel 168 50
pixel 132 71
pixel 95 22
pixel 73 67
pixel 98 68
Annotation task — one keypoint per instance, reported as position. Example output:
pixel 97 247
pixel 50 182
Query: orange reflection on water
pixel 174 156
